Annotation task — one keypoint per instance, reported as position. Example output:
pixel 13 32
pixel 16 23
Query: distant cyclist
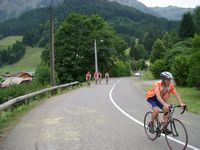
pixel 157 97
pixel 88 78
pixel 107 77
pixel 96 77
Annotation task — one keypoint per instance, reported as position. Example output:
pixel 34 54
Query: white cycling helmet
pixel 166 75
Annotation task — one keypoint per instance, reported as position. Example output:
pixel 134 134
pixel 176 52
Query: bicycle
pixel 88 83
pixel 107 80
pixel 96 81
pixel 175 126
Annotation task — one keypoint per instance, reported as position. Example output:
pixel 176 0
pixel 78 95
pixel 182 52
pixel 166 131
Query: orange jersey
pixel 165 92
pixel 96 75
pixel 88 76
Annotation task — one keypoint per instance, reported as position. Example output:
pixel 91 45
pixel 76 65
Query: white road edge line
pixel 137 121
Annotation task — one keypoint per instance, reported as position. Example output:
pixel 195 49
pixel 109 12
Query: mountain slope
pixel 126 20
pixel 171 12
pixel 138 5
pixel 12 8
pixel 29 62
pixel 9 41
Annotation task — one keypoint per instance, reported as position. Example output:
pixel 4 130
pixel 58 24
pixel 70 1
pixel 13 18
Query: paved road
pixel 97 118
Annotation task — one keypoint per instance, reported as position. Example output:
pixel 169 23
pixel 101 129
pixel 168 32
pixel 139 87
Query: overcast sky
pixel 164 3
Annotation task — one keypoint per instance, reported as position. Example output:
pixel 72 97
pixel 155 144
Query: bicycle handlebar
pixel 184 107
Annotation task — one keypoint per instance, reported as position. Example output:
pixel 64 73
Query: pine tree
pixel 158 51
pixel 187 26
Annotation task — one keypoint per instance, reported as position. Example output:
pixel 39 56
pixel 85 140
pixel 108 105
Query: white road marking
pixel 137 121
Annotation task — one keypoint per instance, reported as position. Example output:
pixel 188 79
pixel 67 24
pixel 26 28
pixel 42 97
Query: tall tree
pixel 74 46
pixel 197 19
pixel 158 51
pixel 138 51
pixel 187 26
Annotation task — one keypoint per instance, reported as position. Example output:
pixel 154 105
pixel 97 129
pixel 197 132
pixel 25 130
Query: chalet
pixel 24 75
pixel 17 78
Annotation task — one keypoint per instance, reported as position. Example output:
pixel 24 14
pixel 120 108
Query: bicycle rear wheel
pixel 147 119
pixel 179 133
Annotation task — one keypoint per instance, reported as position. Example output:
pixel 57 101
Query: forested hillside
pixel 138 5
pixel 171 12
pixel 127 21
pixel 179 52
pixel 13 8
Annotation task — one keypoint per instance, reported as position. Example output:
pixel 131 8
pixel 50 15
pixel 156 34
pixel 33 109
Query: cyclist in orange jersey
pixel 88 78
pixel 96 77
pixel 157 97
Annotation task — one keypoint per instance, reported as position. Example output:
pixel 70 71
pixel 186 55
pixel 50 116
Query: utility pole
pixel 95 53
pixel 52 54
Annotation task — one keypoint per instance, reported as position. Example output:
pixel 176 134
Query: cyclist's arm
pixel 160 98
pixel 178 98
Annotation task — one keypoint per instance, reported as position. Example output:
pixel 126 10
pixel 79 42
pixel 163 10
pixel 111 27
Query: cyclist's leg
pixel 87 82
pixel 165 117
pixel 166 114
pixel 165 110
pixel 155 107
pixel 155 113
pixel 96 80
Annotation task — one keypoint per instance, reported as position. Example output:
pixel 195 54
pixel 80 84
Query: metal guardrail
pixel 13 101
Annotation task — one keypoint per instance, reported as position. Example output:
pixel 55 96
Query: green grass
pixel 9 41
pixel 29 62
pixel 190 96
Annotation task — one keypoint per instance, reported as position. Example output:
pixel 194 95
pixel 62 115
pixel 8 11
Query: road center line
pixel 137 121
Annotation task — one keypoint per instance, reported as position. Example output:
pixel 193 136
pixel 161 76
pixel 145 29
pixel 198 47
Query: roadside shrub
pixel 121 68
pixel 18 90
pixel 43 74
pixel 177 49
pixel 158 67
pixel 180 69
pixel 138 65
pixel 194 70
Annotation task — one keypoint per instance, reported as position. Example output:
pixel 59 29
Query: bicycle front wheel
pixel 147 119
pixel 178 138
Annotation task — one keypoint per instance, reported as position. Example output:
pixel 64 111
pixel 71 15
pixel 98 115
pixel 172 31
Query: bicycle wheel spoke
pixel 178 139
pixel 147 119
